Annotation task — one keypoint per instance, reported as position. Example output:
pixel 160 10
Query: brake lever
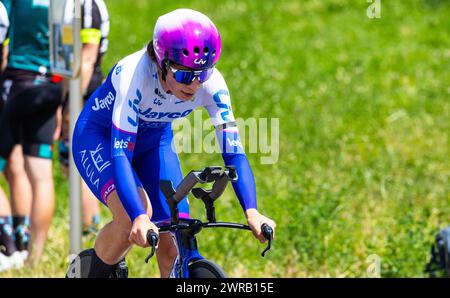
pixel 152 239
pixel 268 234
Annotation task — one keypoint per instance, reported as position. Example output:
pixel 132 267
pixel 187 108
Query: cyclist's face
pixel 182 91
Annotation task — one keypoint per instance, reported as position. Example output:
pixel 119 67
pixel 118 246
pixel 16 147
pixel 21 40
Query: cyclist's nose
pixel 195 82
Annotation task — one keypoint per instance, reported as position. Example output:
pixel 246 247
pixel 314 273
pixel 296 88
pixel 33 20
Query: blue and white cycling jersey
pixel 125 127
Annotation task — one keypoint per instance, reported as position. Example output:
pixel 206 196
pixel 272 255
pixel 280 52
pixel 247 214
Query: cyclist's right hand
pixel 256 220
pixel 141 225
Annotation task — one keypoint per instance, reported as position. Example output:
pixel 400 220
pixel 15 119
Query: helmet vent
pixel 185 52
pixel 214 53
pixel 206 50
pixel 196 50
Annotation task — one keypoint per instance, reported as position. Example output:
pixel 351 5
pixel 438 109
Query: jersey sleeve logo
pixel 124 144
pixel 104 103
pixel 118 69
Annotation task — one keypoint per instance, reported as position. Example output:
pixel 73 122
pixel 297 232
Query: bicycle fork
pixel 187 248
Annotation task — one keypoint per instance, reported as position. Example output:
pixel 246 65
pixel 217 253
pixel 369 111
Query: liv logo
pixel 374 9
pixel 157 102
pixel 199 61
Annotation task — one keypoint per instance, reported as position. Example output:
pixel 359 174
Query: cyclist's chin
pixel 185 95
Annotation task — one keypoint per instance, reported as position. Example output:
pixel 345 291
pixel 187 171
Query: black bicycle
pixel 189 263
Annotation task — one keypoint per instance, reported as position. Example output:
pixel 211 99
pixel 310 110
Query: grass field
pixel 364 117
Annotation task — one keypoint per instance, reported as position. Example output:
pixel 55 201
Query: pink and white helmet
pixel 187 37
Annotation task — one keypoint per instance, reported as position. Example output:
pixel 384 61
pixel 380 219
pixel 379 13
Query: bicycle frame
pixel 187 249
pixel 184 257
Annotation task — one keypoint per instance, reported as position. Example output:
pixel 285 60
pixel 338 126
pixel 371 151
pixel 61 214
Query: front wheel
pixel 205 269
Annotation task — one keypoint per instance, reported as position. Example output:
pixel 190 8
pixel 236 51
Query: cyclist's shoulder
pixel 215 84
pixel 133 70
pixel 133 61
pixel 216 76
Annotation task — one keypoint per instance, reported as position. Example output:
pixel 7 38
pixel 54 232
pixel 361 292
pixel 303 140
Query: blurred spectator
pixel 32 96
pixel 94 38
pixel 13 227
pixel 7 245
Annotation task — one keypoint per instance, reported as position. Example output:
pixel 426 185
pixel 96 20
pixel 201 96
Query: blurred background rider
pixel 32 96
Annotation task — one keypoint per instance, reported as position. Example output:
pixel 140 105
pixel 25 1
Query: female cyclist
pixel 122 142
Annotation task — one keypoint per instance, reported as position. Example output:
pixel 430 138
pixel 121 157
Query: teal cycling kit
pixel 31 95
pixel 28 35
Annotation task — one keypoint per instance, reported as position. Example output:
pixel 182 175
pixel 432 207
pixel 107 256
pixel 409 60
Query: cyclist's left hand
pixel 255 221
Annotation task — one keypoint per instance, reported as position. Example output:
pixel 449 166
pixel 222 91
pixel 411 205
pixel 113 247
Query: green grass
pixel 364 120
